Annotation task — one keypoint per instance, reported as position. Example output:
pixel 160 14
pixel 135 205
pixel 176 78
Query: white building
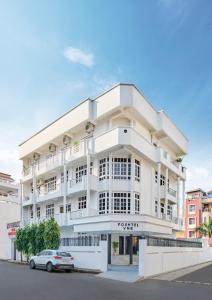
pixel 108 168
pixel 9 216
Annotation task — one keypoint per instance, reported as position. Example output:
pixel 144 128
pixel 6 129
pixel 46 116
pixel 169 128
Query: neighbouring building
pixel 110 168
pixel 198 206
pixel 9 216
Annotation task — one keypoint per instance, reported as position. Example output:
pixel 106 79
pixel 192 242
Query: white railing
pixel 172 192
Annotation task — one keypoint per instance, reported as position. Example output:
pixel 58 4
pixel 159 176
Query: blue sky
pixel 55 53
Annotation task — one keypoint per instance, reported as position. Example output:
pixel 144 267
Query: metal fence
pixel 166 242
pixel 80 241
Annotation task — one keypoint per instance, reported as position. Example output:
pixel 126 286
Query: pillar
pixel 132 179
pixel 166 190
pixel 110 184
pixel 158 187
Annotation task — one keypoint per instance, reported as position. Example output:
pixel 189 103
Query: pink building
pixel 193 212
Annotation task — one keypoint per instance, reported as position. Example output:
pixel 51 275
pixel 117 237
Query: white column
pixel 153 191
pixel 166 190
pixel 183 200
pixel 65 182
pixel 34 192
pixel 178 198
pixel 20 199
pixel 110 184
pixel 132 204
pixel 88 183
pixel 158 187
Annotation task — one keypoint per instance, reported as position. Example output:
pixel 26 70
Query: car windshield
pixel 65 254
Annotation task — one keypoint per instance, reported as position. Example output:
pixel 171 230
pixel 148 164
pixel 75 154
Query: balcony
pixel 79 186
pixel 9 199
pixel 74 152
pixel 49 191
pixel 27 200
pixel 171 193
pixel 170 163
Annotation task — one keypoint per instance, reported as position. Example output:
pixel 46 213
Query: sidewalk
pixel 179 273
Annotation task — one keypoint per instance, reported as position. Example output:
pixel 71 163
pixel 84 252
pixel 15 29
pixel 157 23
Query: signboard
pixel 128 226
pixel 12 232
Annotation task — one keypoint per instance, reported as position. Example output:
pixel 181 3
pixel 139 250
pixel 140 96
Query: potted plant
pixel 179 159
pixel 115 247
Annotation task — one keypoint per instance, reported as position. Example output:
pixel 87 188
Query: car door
pixel 40 259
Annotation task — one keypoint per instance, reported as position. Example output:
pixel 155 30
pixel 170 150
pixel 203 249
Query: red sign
pixel 12 232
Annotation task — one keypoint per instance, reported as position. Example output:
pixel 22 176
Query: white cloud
pixel 76 55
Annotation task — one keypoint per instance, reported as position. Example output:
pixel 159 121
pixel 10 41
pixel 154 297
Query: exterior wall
pixel 93 257
pixel 9 214
pixel 126 126
pixel 157 260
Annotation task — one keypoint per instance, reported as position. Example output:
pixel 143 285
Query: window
pixel 38 212
pixel 103 203
pixel 31 212
pixel 156 207
pixel 192 208
pixel 137 203
pixel 121 203
pixel 191 221
pixel 156 176
pixel 162 208
pixel 137 170
pixel 191 234
pixel 121 168
pixel 104 168
pixel 82 202
pixel 82 171
pixel 162 179
pixel 62 176
pixel 50 210
pixel 79 172
pixel 51 184
pixel 169 210
pixel 68 208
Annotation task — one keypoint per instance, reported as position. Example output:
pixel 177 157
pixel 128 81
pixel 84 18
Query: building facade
pixel 109 168
pixel 198 206
pixel 9 216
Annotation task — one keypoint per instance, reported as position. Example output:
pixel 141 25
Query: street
pixel 18 282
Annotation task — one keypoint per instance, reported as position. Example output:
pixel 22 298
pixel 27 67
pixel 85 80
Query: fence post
pixel 104 255
pixel 142 252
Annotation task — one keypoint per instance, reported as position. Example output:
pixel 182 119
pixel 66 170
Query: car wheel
pixel 49 267
pixel 32 264
pixel 68 271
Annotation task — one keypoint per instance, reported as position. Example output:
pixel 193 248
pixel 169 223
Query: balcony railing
pixel 172 192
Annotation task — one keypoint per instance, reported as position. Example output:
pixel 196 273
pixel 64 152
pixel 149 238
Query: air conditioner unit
pixel 36 156
pixel 89 127
pixel 52 147
pixel 66 140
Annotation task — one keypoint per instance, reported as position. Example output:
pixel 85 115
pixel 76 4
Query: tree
pixel 33 238
pixel 206 229
pixel 40 240
pixel 52 234
pixel 19 242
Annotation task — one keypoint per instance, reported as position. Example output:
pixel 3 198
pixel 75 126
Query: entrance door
pixel 14 250
pixel 123 249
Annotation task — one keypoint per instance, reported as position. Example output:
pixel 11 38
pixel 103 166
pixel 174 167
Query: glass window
pixel 121 203
pixel 137 203
pixel 50 210
pixel 137 170
pixel 51 184
pixel 38 212
pixel 103 203
pixel 191 221
pixel 82 202
pixel 156 207
pixel 104 168
pixel 121 168
pixel 192 208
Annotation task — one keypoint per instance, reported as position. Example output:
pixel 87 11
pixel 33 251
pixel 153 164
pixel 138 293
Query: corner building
pixel 109 168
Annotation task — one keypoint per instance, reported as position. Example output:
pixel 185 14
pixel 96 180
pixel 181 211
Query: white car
pixel 52 260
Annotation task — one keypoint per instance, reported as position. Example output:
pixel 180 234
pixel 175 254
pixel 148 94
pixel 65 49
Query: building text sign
pixel 125 226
